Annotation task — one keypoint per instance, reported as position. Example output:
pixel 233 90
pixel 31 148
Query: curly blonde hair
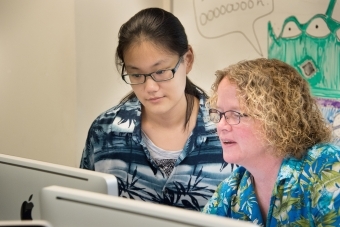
pixel 275 94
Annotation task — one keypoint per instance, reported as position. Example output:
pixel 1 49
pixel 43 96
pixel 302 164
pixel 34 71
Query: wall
pixel 57 72
pixel 99 85
pixel 231 34
pixel 57 69
pixel 37 80
pixel 302 33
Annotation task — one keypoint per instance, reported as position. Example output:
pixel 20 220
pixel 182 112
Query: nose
pixel 150 84
pixel 223 125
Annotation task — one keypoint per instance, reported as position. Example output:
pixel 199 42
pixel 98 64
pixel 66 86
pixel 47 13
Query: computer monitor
pixel 66 207
pixel 19 223
pixel 22 179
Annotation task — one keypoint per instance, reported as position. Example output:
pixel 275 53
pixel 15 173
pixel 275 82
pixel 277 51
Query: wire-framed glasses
pixel 231 116
pixel 158 76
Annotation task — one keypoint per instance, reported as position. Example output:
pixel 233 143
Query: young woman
pixel 269 123
pixel 158 141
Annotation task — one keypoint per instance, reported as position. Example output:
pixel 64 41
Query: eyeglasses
pixel 232 117
pixel 158 76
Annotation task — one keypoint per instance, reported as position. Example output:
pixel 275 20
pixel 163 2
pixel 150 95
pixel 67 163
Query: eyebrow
pixel 233 109
pixel 136 68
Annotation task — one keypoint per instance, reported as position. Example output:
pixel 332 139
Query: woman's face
pixel 240 142
pixel 158 97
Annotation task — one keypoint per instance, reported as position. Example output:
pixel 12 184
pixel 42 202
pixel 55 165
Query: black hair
pixel 163 29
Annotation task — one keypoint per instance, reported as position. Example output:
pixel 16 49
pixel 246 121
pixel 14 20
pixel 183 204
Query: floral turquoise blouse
pixel 306 192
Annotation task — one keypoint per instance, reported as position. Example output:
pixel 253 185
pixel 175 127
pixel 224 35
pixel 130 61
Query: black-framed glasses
pixel 231 116
pixel 158 76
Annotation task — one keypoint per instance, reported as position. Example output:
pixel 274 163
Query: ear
pixel 189 59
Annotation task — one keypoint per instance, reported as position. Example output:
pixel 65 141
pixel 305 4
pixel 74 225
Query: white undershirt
pixel 163 158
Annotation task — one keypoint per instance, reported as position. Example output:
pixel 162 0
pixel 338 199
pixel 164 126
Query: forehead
pixel 145 48
pixel 227 94
pixel 145 53
pixel 225 87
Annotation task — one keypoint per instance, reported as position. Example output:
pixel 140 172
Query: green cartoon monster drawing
pixel 313 48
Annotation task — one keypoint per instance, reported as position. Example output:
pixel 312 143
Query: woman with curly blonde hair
pixel 270 125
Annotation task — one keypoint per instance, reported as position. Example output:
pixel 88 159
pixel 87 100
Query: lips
pixel 154 98
pixel 226 141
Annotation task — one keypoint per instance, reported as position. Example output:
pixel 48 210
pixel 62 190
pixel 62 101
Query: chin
pixel 157 109
pixel 230 158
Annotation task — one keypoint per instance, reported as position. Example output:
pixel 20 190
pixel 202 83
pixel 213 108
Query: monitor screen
pixel 22 179
pixel 66 207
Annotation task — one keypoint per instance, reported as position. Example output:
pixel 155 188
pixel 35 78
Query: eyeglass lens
pixel 160 75
pixel 231 117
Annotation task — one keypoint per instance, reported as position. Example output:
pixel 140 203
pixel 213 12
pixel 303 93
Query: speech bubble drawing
pixel 218 18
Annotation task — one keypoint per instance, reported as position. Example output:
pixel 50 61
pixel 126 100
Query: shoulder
pixel 121 117
pixel 321 160
pixel 323 153
pixel 323 173
pixel 320 165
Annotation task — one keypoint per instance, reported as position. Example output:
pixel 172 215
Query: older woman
pixel 269 124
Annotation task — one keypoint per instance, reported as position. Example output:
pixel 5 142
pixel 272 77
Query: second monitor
pixel 67 207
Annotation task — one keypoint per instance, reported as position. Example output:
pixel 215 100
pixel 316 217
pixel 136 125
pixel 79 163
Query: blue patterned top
pixel 306 192
pixel 114 145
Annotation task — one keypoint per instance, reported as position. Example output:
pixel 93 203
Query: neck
pixel 268 169
pixel 263 179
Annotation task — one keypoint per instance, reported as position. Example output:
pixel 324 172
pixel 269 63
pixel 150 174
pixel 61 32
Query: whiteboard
pixel 303 33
